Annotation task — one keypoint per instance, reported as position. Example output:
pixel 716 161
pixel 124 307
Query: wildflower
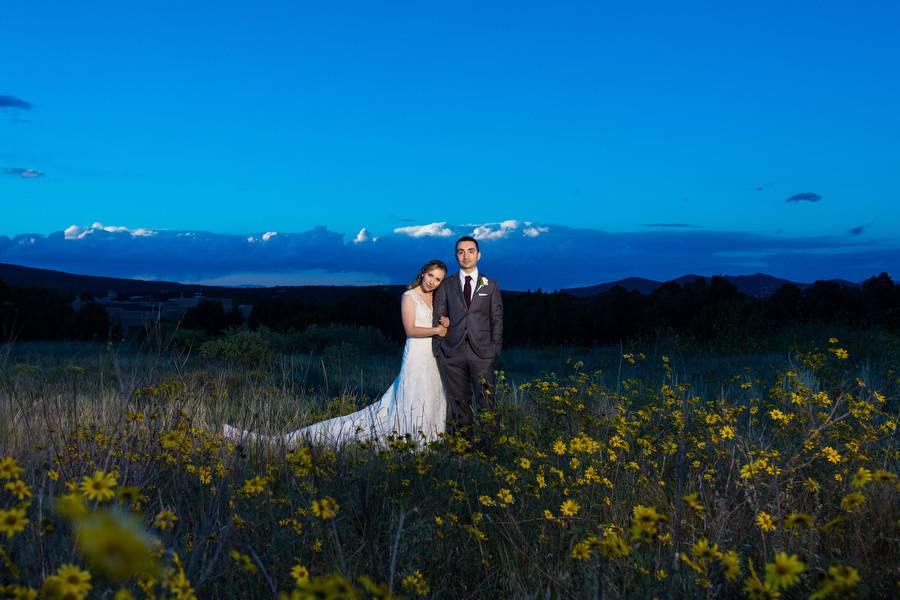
pixel 732 563
pixel 812 486
pixel 245 561
pixel 165 519
pixel 486 500
pixel 885 476
pixel 779 416
pixel 852 501
pixel 205 475
pixel 179 585
pixel 582 550
pixel 12 521
pixel 53 475
pixel 254 485
pixel 548 514
pixel 416 583
pixel 569 508
pixel 757 590
pixel 702 551
pixel 300 574
pixel 645 521
pixel 559 447
pixel 9 468
pixel 74 582
pixel 116 545
pixel 691 500
pixel 831 455
pixel 862 477
pixel 326 508
pixel 841 581
pixel 19 489
pixel 613 546
pixel 726 432
pixel 505 496
pixel 784 572
pixel 765 521
pixel 99 486
pixel 797 519
pixel 524 463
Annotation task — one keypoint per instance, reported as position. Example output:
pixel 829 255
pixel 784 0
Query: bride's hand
pixel 441 331
pixel 445 321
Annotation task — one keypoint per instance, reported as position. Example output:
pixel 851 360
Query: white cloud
pixel 533 232
pixel 362 236
pixel 486 232
pixel 76 232
pixel 430 230
pixel 269 235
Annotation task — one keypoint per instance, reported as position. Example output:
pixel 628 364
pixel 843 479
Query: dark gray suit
pixel 466 355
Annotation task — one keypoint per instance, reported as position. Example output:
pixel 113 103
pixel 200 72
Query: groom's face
pixel 467 255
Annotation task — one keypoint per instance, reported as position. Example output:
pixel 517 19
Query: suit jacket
pixel 481 323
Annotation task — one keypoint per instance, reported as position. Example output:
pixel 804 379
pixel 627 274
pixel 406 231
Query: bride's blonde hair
pixel 429 266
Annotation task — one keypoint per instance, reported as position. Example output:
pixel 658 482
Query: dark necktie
pixel 467 290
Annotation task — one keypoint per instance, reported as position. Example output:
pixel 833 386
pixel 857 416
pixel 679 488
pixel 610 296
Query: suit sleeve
pixel 497 319
pixel 439 304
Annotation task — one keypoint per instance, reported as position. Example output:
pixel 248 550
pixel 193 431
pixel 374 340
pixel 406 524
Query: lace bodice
pixel 424 313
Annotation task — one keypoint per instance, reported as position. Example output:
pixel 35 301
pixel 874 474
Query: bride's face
pixel 432 279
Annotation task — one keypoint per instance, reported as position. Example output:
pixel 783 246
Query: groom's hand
pixel 445 322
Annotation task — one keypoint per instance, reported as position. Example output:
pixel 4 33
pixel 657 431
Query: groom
pixel 467 354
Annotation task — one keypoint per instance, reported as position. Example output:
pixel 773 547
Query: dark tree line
pixel 703 311
pixel 28 313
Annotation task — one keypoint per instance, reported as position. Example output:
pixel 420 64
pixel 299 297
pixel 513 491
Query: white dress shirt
pixel 462 281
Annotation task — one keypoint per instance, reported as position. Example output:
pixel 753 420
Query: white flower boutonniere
pixel 484 281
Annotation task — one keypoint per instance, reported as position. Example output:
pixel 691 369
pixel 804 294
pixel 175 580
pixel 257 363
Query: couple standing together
pixel 454 333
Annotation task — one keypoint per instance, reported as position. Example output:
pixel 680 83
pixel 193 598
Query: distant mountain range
pixel 759 285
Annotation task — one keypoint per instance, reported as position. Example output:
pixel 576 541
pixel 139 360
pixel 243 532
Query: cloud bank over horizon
pixel 521 255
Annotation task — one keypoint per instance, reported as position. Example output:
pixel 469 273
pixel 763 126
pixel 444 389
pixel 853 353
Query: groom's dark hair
pixel 467 238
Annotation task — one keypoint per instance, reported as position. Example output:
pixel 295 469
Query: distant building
pixel 137 313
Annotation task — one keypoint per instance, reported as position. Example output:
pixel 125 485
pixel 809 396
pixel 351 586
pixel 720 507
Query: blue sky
pixel 592 120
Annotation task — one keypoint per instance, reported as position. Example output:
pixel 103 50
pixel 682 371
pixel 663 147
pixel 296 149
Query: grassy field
pixel 604 473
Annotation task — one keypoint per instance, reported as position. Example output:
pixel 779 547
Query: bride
pixel 414 404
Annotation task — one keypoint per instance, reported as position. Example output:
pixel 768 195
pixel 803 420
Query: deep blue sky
pixel 242 118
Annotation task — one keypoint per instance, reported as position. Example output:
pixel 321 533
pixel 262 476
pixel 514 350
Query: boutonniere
pixel 484 281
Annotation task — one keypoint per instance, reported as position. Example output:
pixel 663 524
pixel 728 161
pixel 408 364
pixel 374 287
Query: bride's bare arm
pixel 408 314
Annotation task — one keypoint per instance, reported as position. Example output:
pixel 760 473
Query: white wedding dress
pixel 414 404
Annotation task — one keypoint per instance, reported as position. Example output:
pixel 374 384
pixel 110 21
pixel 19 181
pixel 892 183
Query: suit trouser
pixel 462 371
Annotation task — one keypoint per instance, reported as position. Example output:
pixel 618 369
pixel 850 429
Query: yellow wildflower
pixel 12 521
pixel 569 508
pixel 116 544
pixel 300 574
pixel 852 501
pixel 19 489
pixel 99 486
pixel 74 581
pixel 784 572
pixel 326 508
pixel 165 519
pixel 254 485
pixel 765 521
pixel 9 468
pixel 416 584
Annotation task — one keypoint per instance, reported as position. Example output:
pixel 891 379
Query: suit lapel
pixel 475 295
